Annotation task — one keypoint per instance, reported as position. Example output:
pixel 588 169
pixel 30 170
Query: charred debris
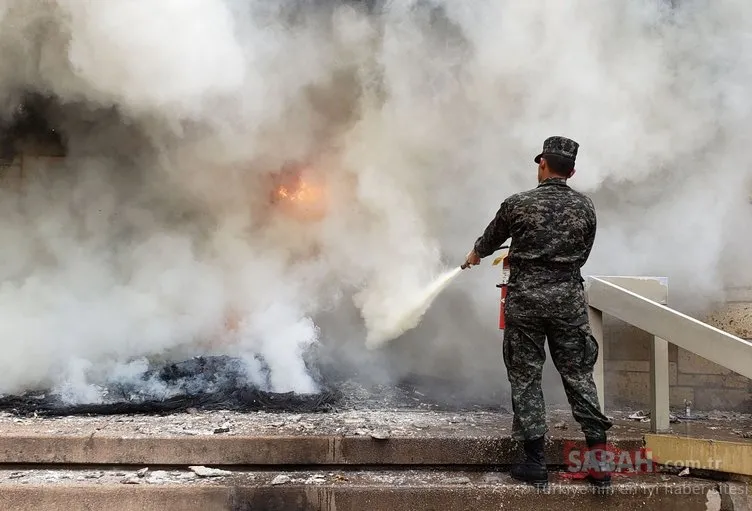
pixel 221 383
pixel 202 383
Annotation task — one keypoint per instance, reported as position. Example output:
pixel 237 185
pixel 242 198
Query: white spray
pixel 411 310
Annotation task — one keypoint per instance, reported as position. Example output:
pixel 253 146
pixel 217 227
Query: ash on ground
pixel 200 383
pixel 221 383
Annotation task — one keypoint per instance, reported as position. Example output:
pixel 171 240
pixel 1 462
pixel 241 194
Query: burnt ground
pixel 211 395
pixel 219 383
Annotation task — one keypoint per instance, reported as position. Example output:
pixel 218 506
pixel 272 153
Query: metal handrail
pixel 666 325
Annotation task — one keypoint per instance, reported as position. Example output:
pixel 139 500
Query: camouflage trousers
pixel 574 351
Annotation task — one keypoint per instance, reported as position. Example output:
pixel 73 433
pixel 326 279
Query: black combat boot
pixel 533 469
pixel 600 475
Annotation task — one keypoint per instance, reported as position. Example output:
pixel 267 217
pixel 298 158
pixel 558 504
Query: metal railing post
pixel 596 325
pixel 659 386
pixel 690 334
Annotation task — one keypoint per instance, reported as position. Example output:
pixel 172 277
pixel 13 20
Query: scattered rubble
pixel 202 471
pixel 457 480
pixel 280 479
pixel 316 479
pixel 85 478
pixel 377 424
pixel 640 416
pixel 222 429
pixel 673 419
pixel 380 434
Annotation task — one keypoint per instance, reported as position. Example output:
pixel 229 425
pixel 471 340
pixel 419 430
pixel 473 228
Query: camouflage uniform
pixel 552 229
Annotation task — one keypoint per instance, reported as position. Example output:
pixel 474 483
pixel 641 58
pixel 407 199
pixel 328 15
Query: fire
pixel 301 197
pixel 303 193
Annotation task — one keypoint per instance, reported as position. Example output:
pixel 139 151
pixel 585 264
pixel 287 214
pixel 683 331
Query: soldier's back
pixel 552 228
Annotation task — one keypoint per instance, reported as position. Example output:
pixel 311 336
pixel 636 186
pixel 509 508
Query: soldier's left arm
pixel 592 228
pixel 495 234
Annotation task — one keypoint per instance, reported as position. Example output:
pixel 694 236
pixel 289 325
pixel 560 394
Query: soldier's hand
pixel 472 259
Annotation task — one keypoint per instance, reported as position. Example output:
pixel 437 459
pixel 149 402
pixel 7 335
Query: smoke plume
pixel 157 237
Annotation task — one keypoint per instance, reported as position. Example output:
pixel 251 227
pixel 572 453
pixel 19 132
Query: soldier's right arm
pixel 495 234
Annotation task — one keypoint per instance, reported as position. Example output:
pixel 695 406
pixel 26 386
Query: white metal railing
pixel 640 301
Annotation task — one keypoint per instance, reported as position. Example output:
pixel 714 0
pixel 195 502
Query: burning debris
pixel 206 383
pixel 300 193
pixel 222 383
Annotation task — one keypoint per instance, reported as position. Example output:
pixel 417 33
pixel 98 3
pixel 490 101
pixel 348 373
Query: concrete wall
pixel 707 385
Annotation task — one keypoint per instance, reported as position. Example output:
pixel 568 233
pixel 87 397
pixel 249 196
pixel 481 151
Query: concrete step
pixel 356 460
pixel 353 438
pixel 373 490
pixel 279 450
pixel 361 438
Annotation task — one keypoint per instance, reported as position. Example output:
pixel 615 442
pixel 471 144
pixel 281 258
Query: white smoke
pixel 155 238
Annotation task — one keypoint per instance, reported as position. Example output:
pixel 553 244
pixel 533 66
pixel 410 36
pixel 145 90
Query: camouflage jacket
pixel 552 228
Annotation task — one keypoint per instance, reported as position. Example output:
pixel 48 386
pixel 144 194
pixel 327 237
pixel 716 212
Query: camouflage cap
pixel 559 146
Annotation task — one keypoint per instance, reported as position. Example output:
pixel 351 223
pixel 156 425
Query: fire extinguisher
pixel 504 260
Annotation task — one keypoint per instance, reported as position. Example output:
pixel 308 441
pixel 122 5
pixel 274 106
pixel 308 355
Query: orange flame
pixel 302 198
pixel 303 192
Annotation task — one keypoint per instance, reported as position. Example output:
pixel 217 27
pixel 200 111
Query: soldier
pixel 552 229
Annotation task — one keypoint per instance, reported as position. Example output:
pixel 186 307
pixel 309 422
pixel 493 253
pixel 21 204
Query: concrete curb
pixel 690 496
pixel 278 450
